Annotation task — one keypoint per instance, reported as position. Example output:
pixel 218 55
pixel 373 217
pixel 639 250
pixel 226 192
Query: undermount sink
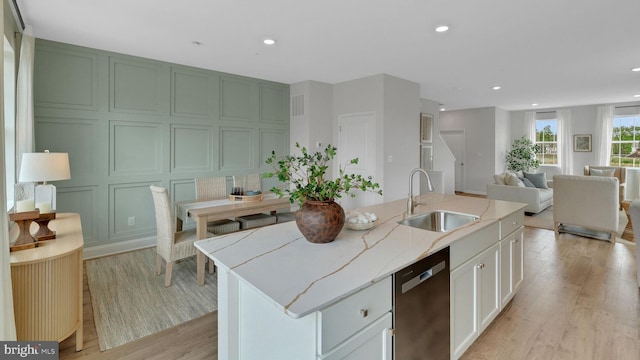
pixel 439 220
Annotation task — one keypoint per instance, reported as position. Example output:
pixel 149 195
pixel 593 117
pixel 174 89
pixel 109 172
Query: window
pixel 547 141
pixel 9 120
pixel 625 141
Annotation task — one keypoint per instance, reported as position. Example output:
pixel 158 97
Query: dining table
pixel 202 212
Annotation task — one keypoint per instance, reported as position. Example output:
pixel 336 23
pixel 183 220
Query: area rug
pixel 130 302
pixel 544 220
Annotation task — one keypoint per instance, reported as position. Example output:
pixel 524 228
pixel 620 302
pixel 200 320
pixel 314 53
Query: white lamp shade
pixel 44 166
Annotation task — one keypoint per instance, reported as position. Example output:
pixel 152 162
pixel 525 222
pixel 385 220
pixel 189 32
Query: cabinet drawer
pixel 464 249
pixel 511 223
pixel 343 319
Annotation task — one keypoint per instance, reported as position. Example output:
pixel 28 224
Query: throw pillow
pixel 499 178
pixel 602 172
pixel 538 180
pixel 512 179
pixel 527 183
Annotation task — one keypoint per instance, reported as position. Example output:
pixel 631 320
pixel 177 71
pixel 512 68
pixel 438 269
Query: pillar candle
pixel 44 207
pixel 25 205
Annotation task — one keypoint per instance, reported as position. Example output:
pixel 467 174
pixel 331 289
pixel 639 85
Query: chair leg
pixel 167 275
pixel 158 264
pixel 211 267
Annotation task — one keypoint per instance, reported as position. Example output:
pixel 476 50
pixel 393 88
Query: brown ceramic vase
pixel 320 221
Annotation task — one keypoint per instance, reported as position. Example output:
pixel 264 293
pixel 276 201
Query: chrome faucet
pixel 411 203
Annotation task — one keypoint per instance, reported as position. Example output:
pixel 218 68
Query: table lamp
pixel 43 167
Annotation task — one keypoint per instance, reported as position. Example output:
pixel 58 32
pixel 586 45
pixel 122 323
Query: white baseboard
pixel 475 192
pixel 119 247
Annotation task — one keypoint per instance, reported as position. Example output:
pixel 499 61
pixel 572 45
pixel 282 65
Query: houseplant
pixel 522 156
pixel 319 218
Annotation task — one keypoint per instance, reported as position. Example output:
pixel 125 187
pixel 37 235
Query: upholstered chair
pixel 211 188
pixel 170 245
pixel 619 172
pixel 634 211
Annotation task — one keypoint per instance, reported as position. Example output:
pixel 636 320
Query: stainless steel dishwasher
pixel 421 309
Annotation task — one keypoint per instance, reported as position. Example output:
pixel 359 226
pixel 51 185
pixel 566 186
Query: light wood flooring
pixel 579 300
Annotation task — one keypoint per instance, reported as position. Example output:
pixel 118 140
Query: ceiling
pixel 555 53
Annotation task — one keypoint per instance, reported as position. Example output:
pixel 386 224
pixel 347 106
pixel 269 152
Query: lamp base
pixel 24 220
pixel 44 233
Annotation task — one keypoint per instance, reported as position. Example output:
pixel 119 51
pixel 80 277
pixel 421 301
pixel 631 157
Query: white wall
pixel 479 126
pixel 401 135
pixel 502 139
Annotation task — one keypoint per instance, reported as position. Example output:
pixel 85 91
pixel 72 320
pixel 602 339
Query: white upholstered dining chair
pixel 211 188
pixel 170 245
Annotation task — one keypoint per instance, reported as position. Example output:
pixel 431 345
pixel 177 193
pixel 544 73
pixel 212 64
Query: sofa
pixel 536 198
pixel 618 172
pixel 588 203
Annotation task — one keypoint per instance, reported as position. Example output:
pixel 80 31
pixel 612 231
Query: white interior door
pixel 357 139
pixel 455 140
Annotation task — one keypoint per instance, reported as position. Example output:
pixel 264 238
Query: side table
pixel 47 284
pixel 627 234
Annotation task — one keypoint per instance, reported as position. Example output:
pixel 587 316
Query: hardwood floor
pixel 579 300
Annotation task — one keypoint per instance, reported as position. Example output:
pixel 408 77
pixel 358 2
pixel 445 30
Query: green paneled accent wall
pixel 129 122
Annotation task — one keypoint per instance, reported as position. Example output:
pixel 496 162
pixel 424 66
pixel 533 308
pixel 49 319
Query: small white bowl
pixel 360 226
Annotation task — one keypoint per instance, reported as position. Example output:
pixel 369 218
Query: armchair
pixel 619 172
pixel 587 202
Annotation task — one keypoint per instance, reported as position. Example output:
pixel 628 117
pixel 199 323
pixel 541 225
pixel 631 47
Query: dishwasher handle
pixel 424 276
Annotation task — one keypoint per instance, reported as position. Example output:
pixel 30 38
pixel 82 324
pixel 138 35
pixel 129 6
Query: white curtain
pixel 24 97
pixel 7 319
pixel 563 118
pixel 603 133
pixel 530 125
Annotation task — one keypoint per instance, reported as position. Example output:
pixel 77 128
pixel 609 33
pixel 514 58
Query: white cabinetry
pixel 475 298
pixel 486 272
pixel 357 327
pixel 512 266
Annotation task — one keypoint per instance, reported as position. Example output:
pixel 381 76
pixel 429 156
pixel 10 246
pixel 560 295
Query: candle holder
pixel 24 220
pixel 44 233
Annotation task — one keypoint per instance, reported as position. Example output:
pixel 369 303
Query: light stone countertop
pixel 300 277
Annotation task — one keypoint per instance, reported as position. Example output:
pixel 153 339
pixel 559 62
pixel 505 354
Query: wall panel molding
pixel 193 93
pixel 135 148
pixel 131 200
pixel 274 103
pixel 82 200
pixel 236 99
pixel 236 149
pixel 135 86
pixel 191 148
pixel 74 70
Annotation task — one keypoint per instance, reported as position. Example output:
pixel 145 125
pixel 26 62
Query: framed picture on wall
pixel 426 157
pixel 582 142
pixel 426 127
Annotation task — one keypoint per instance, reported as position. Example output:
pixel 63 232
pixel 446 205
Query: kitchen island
pixel 282 297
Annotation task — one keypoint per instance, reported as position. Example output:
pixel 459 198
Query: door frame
pixel 463 181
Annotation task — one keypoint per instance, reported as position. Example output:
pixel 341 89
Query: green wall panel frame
pixel 129 122
pixel 131 200
pixel 74 70
pixel 237 99
pixel 194 93
pixel 77 137
pixel 136 148
pixel 82 200
pixel 191 149
pixel 136 86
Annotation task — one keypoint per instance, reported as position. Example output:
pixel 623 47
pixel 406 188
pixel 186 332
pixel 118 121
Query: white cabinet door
pixel 512 271
pixel 372 343
pixel 464 307
pixel 489 285
pixel 475 298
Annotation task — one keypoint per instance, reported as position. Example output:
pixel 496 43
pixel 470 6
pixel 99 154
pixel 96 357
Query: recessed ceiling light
pixel 636 69
pixel 496 87
pixel 442 28
pixel 636 95
pixel 534 104
pixel 442 108
pixel 196 43
pixel 269 42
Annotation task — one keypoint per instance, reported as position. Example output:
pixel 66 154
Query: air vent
pixel 297 105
